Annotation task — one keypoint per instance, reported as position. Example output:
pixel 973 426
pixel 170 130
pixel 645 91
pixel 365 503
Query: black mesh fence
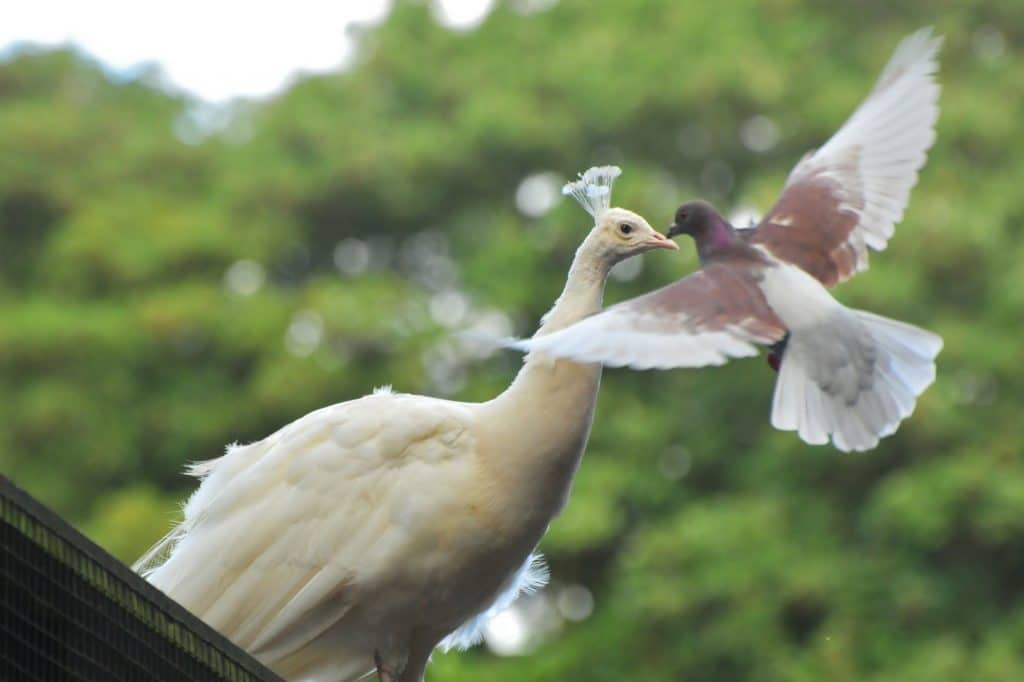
pixel 70 611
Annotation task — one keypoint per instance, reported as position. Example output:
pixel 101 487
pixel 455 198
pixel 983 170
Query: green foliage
pixel 716 548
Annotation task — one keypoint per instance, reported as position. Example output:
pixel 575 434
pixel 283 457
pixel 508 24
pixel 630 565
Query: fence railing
pixel 71 611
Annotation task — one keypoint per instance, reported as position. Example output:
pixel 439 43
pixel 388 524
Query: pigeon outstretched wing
pixel 716 313
pixel 846 196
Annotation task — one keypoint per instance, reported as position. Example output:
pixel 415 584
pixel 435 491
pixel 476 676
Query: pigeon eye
pixel 625 228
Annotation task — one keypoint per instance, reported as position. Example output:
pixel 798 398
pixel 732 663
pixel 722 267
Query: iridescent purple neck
pixel 716 237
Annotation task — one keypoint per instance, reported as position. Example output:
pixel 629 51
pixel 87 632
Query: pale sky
pixel 215 49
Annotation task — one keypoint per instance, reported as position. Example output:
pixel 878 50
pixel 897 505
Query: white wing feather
pixel 283 536
pixel 531 577
pixel 711 315
pixel 874 158
pixel 621 338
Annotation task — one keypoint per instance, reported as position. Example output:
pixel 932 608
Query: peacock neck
pixel 582 296
pixel 583 292
pixel 542 420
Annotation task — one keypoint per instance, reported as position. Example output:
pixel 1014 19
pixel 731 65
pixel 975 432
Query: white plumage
pixel 365 534
pixel 846 374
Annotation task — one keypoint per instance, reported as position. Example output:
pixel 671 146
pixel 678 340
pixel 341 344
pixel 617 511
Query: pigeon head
pixel 709 229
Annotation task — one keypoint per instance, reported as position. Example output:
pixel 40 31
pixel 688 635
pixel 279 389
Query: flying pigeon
pixel 844 374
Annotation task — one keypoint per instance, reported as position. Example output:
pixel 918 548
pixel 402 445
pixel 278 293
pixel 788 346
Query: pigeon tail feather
pixel 854 383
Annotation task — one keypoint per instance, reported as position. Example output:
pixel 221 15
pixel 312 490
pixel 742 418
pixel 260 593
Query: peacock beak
pixel 660 241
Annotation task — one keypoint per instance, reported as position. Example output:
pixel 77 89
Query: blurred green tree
pixel 162 295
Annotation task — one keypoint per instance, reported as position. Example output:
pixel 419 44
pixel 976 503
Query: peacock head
pixel 618 233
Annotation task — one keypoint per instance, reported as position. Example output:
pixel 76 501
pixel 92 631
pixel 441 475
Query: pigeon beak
pixel 660 241
pixel 673 230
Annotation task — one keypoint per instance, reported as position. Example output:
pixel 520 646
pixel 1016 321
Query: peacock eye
pixel 625 228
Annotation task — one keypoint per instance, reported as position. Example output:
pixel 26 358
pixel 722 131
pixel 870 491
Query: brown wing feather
pixel 717 297
pixel 704 319
pixel 846 197
pixel 811 225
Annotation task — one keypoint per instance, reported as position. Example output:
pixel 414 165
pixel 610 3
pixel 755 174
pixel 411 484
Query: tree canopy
pixel 168 286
